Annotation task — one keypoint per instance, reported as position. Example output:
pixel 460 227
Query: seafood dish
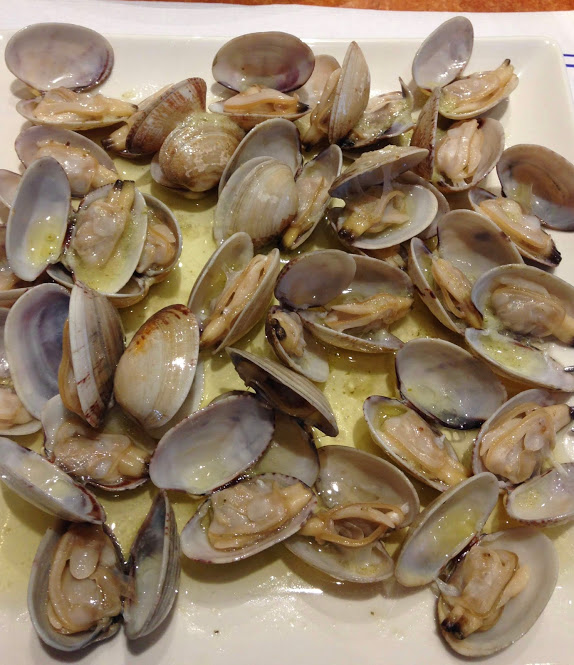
pixel 274 325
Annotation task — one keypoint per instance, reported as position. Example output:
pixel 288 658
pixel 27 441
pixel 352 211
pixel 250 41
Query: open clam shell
pixel 9 182
pixel 542 181
pixel 49 55
pixel 443 54
pixel 113 457
pixel 33 336
pixel 155 373
pixel 159 214
pixel 195 543
pixel 536 552
pixel 46 486
pixel 80 168
pixel 447 383
pixel 444 528
pixel 349 476
pixel 432 466
pixel 213 446
pixel 311 92
pixel 274 59
pixel 285 390
pixel 38 598
pixel 38 219
pixel 154 566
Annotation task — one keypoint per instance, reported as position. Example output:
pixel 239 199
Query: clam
pixel 542 181
pixel 461 157
pixel 9 182
pixel 232 291
pixel 247 518
pixel 195 153
pixel 362 499
pixel 469 245
pixel 525 230
pixel 76 600
pixel 163 242
pixel 92 346
pixel 260 198
pixel 447 384
pixel 112 457
pixel 67 109
pixel 108 237
pixel 285 390
pixel 213 446
pixel 444 54
pixel 33 337
pixel 411 443
pixel 310 93
pixel 154 568
pixel 85 163
pixel 46 486
pixel 155 373
pixel 48 55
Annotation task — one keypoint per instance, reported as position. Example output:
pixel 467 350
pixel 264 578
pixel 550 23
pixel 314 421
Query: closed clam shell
pixel 536 552
pixel 33 338
pixel 314 278
pixel 29 141
pixel 276 137
pixel 49 55
pixel 511 358
pixel 443 54
pixel 164 114
pixel 196 546
pixel 445 382
pixel 46 486
pixel 273 59
pixel 38 595
pixel 348 476
pixel 96 343
pixel 542 181
pixel 38 219
pixel 444 528
pixel 155 373
pixel 285 390
pixel 213 446
pixel 154 566
pixel 260 198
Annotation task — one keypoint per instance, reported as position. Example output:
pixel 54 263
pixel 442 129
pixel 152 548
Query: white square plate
pixel 273 609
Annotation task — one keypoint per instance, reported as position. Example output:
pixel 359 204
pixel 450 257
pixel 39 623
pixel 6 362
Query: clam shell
pixel 285 390
pixel 195 544
pixel 9 182
pixel 446 383
pixel 46 486
pixel 537 552
pixel 444 528
pixel 50 55
pixel 311 92
pixel 27 147
pixel 96 343
pixel 213 446
pixel 443 54
pixel 542 181
pixel 38 593
pixel 260 198
pixel 158 209
pixel 277 138
pixel 33 339
pixel 518 361
pixel 155 568
pixel 38 219
pixel 347 476
pixel 155 373
pixel 272 59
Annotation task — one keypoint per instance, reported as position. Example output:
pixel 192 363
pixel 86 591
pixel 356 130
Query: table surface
pixel 428 5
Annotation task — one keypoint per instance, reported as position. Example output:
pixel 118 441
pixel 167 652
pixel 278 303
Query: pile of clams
pixel 332 251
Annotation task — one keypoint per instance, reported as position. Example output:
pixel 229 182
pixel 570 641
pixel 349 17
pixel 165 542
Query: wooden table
pixel 429 5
